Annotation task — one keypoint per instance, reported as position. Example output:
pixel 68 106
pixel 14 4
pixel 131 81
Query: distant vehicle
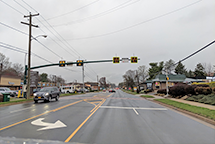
pixel 36 90
pixel 112 90
pixel 67 89
pixel 47 94
pixel 7 90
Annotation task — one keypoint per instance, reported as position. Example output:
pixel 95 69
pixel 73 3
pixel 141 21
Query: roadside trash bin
pixel 6 97
pixel 1 97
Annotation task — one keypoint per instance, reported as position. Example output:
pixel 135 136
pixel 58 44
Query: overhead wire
pixel 70 11
pixel 118 7
pixel 12 7
pixel 68 45
pixel 140 23
pixel 24 51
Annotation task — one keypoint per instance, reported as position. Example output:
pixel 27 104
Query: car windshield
pixel 7 89
pixel 45 90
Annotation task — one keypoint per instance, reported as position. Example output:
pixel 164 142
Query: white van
pixel 67 89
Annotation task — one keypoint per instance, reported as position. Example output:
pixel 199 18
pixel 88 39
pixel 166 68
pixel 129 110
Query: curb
pixel 2 105
pixel 210 121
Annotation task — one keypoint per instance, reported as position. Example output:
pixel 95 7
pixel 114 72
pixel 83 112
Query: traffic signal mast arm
pixel 69 63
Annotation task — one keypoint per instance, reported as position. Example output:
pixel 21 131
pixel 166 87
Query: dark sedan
pixel 47 94
pixel 112 90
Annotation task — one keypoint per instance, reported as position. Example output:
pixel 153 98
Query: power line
pixel 12 7
pixel 25 52
pixel 100 14
pixel 70 11
pixel 13 28
pixel 140 23
pixel 68 45
pixel 21 5
pixel 196 52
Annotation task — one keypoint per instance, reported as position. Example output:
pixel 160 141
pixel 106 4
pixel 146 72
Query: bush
pixel 213 89
pixel 206 99
pixel 178 90
pixel 148 90
pixel 162 91
pixel 190 89
pixel 203 90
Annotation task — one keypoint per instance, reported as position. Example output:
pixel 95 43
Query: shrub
pixel 202 85
pixel 203 90
pixel 162 91
pixel 212 84
pixel 213 89
pixel 190 89
pixel 178 90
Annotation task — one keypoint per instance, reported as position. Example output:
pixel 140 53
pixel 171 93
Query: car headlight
pixel 46 94
pixel 35 94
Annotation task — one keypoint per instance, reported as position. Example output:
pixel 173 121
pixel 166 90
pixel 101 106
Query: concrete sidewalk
pixel 182 101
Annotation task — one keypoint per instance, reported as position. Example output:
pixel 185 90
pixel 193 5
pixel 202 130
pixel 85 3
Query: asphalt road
pixel 102 118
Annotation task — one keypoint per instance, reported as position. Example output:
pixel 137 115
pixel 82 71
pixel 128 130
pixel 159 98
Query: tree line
pixel 135 77
pixel 18 69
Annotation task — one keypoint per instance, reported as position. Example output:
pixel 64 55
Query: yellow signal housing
pixel 116 60
pixel 62 63
pixel 79 62
pixel 134 59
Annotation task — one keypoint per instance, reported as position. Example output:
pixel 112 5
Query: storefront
pixel 10 81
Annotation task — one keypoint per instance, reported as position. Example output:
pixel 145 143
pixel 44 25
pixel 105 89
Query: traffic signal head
pixel 79 62
pixel 134 59
pixel 167 78
pixel 62 63
pixel 116 60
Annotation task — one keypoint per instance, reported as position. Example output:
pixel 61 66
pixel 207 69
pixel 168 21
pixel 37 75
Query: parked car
pixel 112 90
pixel 7 90
pixel 47 94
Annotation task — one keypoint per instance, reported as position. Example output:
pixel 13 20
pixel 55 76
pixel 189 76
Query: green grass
pixel 15 101
pixel 194 109
pixel 130 92
pixel 147 96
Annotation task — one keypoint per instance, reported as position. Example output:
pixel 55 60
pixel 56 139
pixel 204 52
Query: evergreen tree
pixel 180 69
pixel 199 70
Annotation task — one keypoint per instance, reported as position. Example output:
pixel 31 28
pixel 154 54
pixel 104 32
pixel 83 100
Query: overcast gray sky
pixel 153 30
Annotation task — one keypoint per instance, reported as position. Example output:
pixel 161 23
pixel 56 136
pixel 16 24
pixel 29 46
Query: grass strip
pixel 129 92
pixel 194 109
pixel 15 101
pixel 147 96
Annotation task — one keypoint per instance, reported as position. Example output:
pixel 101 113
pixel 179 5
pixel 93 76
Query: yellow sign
pixel 79 62
pixel 62 63
pixel 134 59
pixel 116 60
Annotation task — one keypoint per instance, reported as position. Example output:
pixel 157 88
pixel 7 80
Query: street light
pixel 29 66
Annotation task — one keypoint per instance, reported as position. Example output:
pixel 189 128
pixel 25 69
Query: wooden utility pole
pixel 29 51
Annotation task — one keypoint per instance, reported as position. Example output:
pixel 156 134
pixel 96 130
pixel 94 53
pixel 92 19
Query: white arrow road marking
pixel 57 124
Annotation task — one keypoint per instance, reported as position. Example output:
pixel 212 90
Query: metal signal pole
pixel 83 77
pixel 29 52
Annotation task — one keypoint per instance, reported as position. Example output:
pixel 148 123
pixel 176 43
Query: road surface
pixel 102 118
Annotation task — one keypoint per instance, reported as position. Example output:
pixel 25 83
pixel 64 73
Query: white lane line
pixel 20 110
pixel 133 108
pixel 135 111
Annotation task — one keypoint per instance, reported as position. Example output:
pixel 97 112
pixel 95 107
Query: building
pixel 11 80
pixel 160 81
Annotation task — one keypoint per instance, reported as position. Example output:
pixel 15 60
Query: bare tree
pixel 129 78
pixel 208 68
pixel 53 78
pixel 4 61
pixel 102 82
pixel 19 69
pixel 169 66
pixel 142 73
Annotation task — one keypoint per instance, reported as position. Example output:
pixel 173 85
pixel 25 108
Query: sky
pixel 90 30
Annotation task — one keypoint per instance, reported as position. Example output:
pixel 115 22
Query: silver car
pixel 7 90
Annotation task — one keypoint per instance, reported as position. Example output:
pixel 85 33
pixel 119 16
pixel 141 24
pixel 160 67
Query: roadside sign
pixel 70 64
pixel 34 78
pixel 125 60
